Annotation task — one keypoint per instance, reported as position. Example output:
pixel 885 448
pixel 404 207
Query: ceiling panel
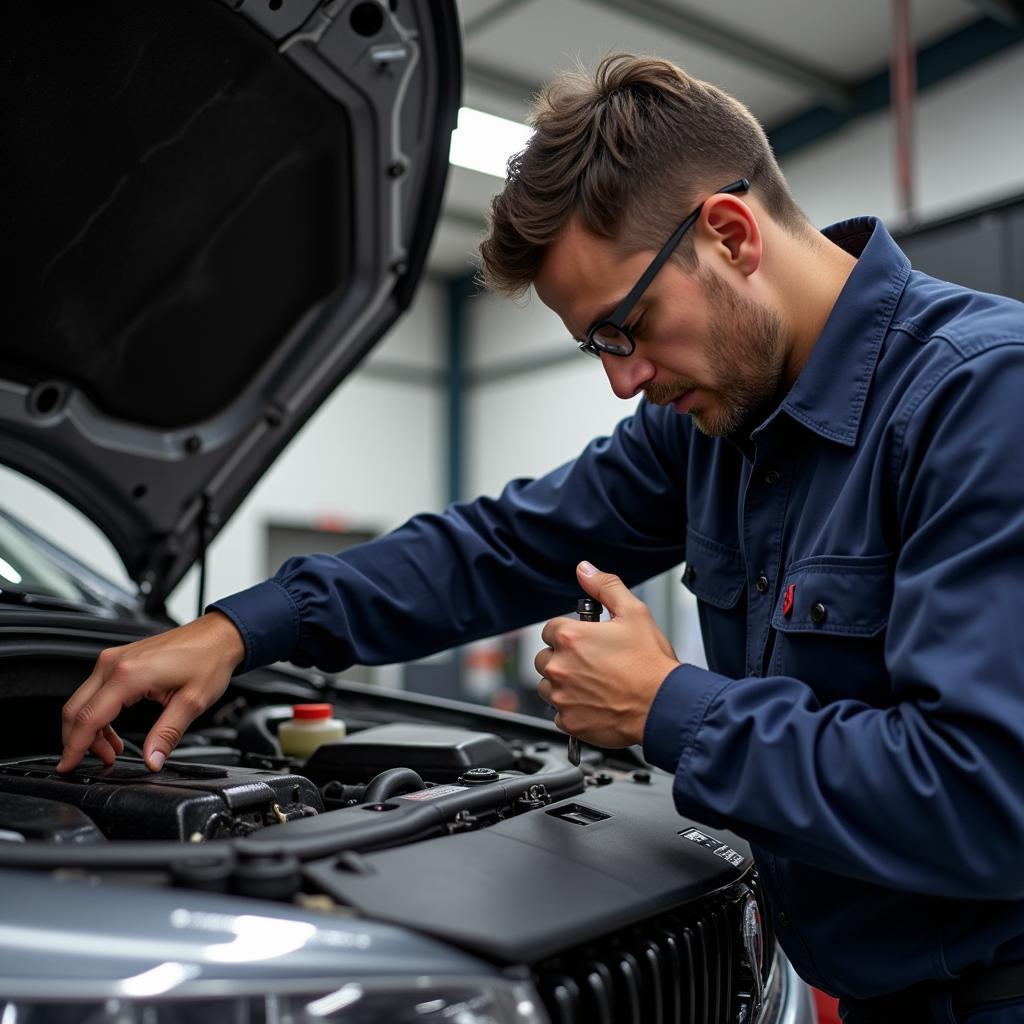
pixel 545 36
pixel 848 40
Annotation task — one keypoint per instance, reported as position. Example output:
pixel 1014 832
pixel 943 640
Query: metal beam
pixel 974 43
pixel 502 9
pixel 460 291
pixel 1006 12
pixel 504 83
pixel 694 28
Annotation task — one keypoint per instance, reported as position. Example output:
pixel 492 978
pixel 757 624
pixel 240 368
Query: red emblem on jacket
pixel 787 601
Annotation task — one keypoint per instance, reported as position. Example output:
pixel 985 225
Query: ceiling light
pixel 483 142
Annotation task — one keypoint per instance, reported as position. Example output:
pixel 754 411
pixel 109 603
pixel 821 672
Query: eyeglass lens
pixel 609 338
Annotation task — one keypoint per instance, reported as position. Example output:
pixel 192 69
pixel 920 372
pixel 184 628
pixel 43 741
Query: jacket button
pixel 689 575
pixel 818 612
pixel 773 476
pixel 762 584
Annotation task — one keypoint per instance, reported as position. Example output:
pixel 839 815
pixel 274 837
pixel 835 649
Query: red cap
pixel 312 711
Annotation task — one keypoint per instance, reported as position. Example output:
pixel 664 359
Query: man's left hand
pixel 601 677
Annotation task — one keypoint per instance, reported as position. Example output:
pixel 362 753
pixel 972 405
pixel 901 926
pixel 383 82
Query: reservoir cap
pixel 308 711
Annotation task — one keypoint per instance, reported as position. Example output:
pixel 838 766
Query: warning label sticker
pixel 433 793
pixel 716 846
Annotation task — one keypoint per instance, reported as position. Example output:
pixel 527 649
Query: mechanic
pixel 834 445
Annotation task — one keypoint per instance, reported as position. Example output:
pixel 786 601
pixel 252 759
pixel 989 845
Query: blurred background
pixel 911 111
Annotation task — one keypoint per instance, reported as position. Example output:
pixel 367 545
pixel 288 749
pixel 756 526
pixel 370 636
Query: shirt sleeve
pixel 482 567
pixel 927 794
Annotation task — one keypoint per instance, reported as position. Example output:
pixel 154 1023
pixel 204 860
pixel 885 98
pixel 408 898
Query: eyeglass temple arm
pixel 740 185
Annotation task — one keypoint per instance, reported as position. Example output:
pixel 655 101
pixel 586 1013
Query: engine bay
pixel 233 781
pixel 435 815
pixel 192 800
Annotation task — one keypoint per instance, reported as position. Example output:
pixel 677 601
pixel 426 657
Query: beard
pixel 745 357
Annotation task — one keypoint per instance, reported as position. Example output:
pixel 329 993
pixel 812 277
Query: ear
pixel 730 232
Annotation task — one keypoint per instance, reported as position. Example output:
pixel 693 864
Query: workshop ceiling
pixel 780 57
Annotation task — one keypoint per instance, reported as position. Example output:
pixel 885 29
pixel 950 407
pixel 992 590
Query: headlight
pixel 388 1001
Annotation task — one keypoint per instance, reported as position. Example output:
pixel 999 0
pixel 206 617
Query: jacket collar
pixel 829 394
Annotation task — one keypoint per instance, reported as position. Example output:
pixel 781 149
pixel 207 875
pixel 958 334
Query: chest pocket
pixel 715 575
pixel 830 619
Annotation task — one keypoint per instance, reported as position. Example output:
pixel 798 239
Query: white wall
pixel 527 424
pixel 969 148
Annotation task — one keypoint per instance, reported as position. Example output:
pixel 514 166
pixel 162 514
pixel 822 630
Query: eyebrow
pixel 604 312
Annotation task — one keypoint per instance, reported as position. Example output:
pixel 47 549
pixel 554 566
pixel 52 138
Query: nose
pixel 627 375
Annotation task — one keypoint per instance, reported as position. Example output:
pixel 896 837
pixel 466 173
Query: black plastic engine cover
pixel 127 801
pixel 31 818
pixel 541 882
pixel 439 753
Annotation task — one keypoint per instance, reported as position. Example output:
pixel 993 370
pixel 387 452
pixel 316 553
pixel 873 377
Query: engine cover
pixel 440 753
pixel 127 801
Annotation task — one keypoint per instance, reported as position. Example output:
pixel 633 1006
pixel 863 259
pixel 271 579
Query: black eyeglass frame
pixel 593 346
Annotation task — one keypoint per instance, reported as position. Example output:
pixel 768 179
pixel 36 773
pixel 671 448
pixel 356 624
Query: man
pixel 832 443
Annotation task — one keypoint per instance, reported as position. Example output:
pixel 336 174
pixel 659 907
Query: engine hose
pixel 338 792
pixel 393 782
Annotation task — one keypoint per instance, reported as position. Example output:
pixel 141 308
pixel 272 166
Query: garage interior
pixel 906 110
pixel 910 110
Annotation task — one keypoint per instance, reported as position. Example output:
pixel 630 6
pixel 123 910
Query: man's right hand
pixel 185 669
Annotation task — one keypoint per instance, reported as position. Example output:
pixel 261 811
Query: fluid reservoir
pixel 310 726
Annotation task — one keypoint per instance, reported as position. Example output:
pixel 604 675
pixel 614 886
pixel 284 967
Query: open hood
pixel 213 211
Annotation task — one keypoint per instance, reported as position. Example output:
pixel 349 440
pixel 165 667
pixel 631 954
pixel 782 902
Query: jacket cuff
pixel 677 713
pixel 268 620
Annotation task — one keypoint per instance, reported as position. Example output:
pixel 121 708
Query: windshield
pixel 27 568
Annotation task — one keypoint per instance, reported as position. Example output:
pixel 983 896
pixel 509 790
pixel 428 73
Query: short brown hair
pixel 630 150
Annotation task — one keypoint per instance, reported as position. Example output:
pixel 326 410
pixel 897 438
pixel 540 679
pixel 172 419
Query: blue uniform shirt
pixel 859 566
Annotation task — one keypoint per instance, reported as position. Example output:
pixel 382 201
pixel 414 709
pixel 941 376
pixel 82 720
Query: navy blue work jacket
pixel 859 566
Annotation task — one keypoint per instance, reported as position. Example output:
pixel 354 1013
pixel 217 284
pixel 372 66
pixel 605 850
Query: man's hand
pixel 601 677
pixel 185 669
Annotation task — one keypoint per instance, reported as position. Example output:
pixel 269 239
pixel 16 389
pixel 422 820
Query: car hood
pixel 216 210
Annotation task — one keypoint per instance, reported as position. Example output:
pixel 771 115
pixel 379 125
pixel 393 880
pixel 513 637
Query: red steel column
pixel 903 87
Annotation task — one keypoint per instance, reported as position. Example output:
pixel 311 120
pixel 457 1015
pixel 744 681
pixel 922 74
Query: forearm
pixel 893 796
pixel 481 568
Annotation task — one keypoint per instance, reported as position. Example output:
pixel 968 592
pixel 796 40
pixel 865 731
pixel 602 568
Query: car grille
pixel 687 966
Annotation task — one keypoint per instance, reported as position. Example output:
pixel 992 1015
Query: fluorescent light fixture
pixel 483 142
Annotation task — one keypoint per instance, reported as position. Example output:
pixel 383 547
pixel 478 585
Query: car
pixel 222 206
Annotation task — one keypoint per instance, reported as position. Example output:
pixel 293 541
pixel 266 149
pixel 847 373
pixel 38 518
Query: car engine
pixel 463 824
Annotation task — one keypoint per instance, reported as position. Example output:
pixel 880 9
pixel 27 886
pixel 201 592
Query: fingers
pixel 113 739
pixel 185 669
pixel 81 697
pixel 608 589
pixel 540 662
pixel 181 710
pixel 103 749
pixel 89 720
pixel 546 694
pixel 550 631
pixel 544 691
